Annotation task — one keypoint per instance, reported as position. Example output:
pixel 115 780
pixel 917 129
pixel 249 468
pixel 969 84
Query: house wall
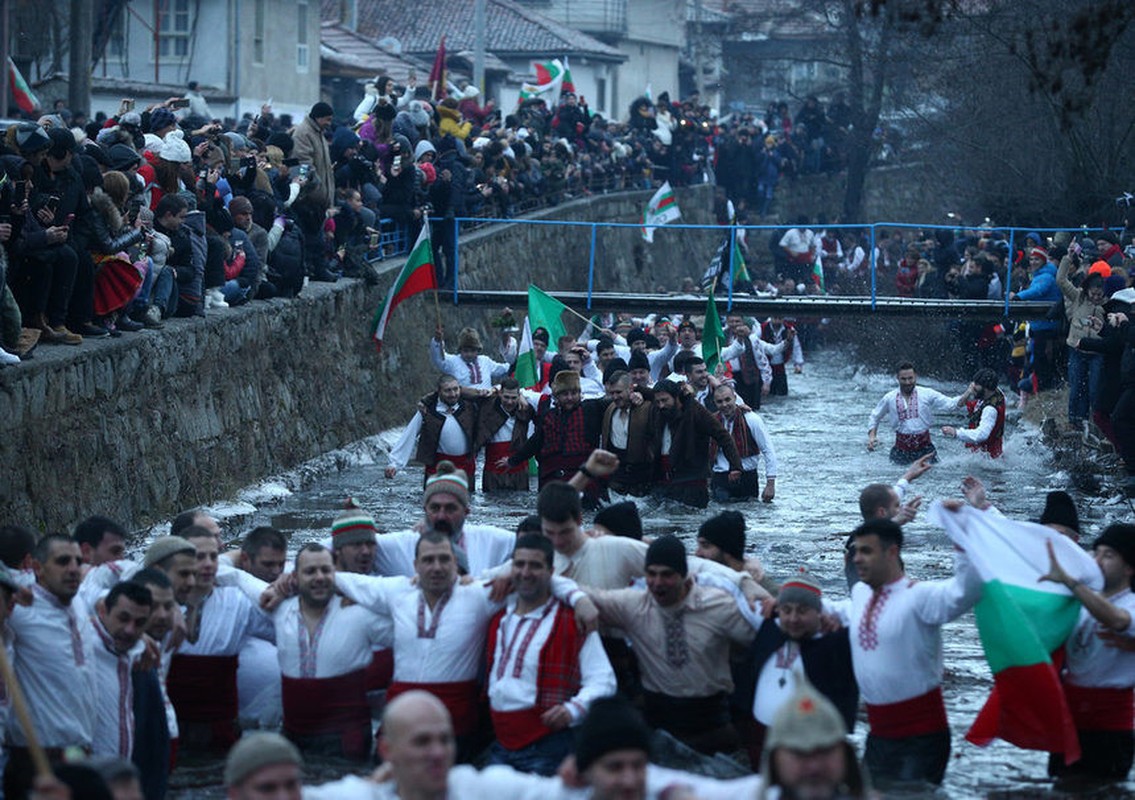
pixel 586 75
pixel 655 34
pixel 221 54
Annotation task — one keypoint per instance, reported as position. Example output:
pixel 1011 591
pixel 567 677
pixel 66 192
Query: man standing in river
pixel 910 411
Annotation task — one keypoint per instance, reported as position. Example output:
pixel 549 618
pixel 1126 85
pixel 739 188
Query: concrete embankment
pixel 140 427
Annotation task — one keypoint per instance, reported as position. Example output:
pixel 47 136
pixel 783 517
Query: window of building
pixel 601 94
pixel 116 41
pixel 302 59
pixel 258 33
pixel 175 23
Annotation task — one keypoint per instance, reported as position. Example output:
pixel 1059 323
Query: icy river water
pixel 819 432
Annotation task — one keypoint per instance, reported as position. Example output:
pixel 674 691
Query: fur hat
pixel 1060 509
pixel 807 721
pixel 175 148
pixel 352 525
pixel 621 519
pixel 255 751
pixel 1120 537
pixel 727 532
pixel 469 339
pixel 566 380
pixel 449 480
pixel 638 360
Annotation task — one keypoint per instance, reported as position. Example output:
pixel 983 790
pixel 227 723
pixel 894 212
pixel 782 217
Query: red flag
pixel 437 74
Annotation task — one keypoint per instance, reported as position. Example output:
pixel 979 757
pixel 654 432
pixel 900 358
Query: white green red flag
pixel 417 275
pixel 1021 622
pixel 662 208
pixel 549 80
pixel 567 84
pixel 22 94
pixel 544 311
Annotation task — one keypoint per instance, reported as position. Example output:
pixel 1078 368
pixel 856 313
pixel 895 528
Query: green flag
pixel 713 337
pixel 544 311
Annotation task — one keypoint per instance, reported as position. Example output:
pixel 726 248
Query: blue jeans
pixel 1085 371
pixel 542 757
pixel 233 292
pixel 164 295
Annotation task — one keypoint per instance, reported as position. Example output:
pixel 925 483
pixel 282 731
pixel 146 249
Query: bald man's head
pixel 417 742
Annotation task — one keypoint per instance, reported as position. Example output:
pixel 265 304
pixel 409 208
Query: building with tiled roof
pixel 517 35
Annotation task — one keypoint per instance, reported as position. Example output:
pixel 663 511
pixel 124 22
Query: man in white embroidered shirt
pixel 542 673
pixel 119 621
pixel 50 657
pixel 896 650
pixel 910 410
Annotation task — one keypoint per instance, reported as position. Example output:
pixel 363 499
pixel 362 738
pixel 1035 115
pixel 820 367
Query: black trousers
pixel 1105 755
pixel 1123 422
pixel 43 283
pixel 913 759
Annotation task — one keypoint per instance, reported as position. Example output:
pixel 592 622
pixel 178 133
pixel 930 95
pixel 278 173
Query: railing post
pixel 1009 271
pixel 456 258
pixel 591 265
pixel 732 267
pixel 873 267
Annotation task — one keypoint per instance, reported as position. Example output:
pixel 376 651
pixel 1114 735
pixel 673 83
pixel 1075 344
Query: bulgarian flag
pixel 417 276
pixel 567 85
pixel 661 209
pixel 712 337
pixel 1021 622
pixel 549 79
pixel 22 94
pixel 544 311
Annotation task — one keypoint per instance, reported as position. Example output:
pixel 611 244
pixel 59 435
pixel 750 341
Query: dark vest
pixel 432 422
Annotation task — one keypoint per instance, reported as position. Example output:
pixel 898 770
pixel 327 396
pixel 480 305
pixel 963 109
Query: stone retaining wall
pixel 140 427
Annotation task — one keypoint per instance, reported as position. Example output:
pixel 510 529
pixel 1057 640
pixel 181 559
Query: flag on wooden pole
pixel 417 275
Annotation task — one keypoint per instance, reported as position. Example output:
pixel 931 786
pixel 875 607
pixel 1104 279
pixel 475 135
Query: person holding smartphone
pixel 1081 305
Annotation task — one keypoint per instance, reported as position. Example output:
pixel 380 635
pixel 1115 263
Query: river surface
pixel 819 431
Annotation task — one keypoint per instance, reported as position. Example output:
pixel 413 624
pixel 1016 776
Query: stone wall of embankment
pixel 140 427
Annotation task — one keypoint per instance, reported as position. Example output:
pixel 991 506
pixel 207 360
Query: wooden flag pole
pixel 20 706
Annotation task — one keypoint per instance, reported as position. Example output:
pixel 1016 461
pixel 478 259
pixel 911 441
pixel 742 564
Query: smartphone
pixel 21 192
pixel 304 170
pixel 129 103
pixel 182 102
pixel 52 203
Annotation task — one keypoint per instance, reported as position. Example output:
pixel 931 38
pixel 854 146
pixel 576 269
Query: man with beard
pixel 155 724
pixel 446 505
pixel 325 646
pixel 751 438
pixel 51 659
pixel 910 410
pixel 626 431
pixel 502 425
pixel 469 367
pixel 683 429
pixel 681 633
pixel 117 625
pixel 807 755
pixel 441 430
pixel 542 673
pixel 986 426
pixel 439 628
pixel 565 433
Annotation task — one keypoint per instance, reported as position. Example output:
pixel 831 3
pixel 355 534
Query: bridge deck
pixel 802 306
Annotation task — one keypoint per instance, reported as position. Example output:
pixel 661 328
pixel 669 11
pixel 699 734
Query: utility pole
pixel 479 46
pixel 79 36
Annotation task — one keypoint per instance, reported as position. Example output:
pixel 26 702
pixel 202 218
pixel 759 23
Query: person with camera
pixel 1081 304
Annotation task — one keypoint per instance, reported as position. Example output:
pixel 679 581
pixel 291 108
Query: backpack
pixel 285 264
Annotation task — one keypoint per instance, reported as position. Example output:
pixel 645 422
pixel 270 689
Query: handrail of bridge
pixel 594 226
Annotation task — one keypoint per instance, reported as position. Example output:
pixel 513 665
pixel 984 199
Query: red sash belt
pixel 315 706
pixel 518 729
pixel 912 441
pixel 494 451
pixel 914 717
pixel 380 671
pixel 1101 709
pixel 665 466
pixel 466 463
pixel 460 697
pixel 203 688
